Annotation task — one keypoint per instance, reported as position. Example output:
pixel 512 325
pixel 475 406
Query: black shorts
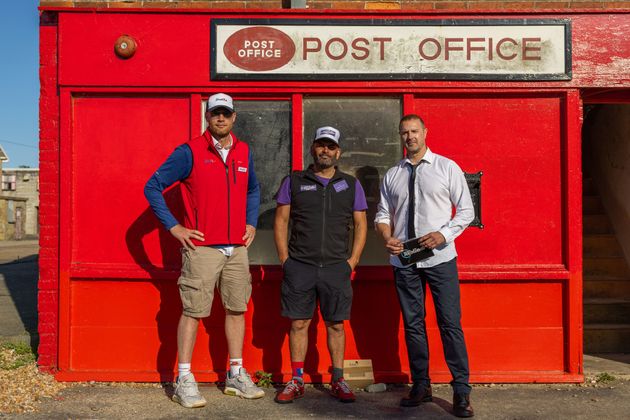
pixel 304 284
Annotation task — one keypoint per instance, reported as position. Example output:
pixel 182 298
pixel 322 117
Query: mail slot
pixel 474 185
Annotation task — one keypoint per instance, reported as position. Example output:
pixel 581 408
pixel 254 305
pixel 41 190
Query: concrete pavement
pixel 18 291
pixel 18 251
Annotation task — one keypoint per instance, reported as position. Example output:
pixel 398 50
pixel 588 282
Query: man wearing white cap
pixel 221 198
pixel 321 202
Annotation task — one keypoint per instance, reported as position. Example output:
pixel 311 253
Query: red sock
pixel 298 369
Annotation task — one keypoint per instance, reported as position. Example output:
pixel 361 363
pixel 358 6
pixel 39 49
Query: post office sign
pixel 388 49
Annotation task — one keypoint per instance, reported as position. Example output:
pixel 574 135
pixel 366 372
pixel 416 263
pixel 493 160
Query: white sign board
pixel 280 49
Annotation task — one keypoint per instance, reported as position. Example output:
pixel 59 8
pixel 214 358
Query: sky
pixel 19 82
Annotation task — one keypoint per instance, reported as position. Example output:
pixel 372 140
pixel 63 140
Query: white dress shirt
pixel 223 151
pixel 439 185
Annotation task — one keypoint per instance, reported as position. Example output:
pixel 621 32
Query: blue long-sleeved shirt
pixel 177 168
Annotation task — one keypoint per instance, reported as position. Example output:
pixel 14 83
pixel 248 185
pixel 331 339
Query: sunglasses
pixel 329 146
pixel 221 111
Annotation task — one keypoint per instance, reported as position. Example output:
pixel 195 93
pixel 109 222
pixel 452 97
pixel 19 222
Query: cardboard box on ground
pixel 358 373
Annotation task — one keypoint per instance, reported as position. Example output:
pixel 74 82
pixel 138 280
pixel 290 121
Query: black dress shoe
pixel 418 394
pixel 461 405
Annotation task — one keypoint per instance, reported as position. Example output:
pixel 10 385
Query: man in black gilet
pixel 322 203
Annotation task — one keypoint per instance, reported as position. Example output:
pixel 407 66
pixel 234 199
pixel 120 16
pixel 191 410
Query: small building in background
pixel 3 157
pixel 19 203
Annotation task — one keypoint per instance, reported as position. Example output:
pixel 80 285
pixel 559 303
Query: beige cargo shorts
pixel 205 268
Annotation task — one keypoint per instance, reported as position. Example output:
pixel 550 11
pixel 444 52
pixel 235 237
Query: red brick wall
pixel 49 193
pixel 355 5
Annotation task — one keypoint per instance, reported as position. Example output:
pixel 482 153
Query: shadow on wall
pixel 269 328
pixel 372 329
pixel 169 312
pixel 376 324
pixel 369 178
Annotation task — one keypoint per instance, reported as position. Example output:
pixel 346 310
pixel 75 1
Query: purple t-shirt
pixel 284 193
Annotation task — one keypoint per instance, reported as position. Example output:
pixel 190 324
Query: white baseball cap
pixel 220 100
pixel 327 133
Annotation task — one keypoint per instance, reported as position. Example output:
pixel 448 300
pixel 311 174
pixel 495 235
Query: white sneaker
pixel 187 393
pixel 242 386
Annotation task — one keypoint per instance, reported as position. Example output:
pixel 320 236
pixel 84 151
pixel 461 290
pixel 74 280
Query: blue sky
pixel 19 82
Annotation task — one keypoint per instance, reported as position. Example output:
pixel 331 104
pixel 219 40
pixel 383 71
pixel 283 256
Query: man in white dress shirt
pixel 417 197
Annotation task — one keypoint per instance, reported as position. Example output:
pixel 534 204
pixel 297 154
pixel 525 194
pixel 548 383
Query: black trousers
pixel 443 282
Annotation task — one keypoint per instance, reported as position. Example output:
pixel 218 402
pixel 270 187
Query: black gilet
pixel 321 217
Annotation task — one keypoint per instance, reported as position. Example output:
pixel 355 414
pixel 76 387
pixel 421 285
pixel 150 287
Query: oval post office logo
pixel 259 48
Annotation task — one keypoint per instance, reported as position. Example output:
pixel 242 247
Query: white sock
pixel 235 366
pixel 183 369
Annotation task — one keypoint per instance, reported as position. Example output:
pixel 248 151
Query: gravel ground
pixel 22 385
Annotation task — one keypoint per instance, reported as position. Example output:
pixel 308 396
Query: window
pixel 369 141
pixel 8 182
pixel 370 145
pixel 265 125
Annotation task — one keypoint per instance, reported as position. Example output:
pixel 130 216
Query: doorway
pixel 606 222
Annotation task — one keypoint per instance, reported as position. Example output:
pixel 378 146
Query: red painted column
pixel 48 285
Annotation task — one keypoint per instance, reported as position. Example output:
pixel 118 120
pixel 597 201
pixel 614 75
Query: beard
pixel 325 161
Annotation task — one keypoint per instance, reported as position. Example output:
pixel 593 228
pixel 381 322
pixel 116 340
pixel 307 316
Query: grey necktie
pixel 411 228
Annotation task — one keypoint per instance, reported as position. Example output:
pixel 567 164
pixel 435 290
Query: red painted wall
pixel 110 269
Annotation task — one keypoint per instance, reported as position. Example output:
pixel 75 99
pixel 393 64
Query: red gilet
pixel 215 193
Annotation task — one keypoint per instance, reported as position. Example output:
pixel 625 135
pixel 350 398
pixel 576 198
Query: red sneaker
pixel 292 391
pixel 342 391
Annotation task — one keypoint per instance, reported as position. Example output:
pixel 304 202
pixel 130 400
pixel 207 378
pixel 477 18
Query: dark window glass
pixel 370 145
pixel 266 127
